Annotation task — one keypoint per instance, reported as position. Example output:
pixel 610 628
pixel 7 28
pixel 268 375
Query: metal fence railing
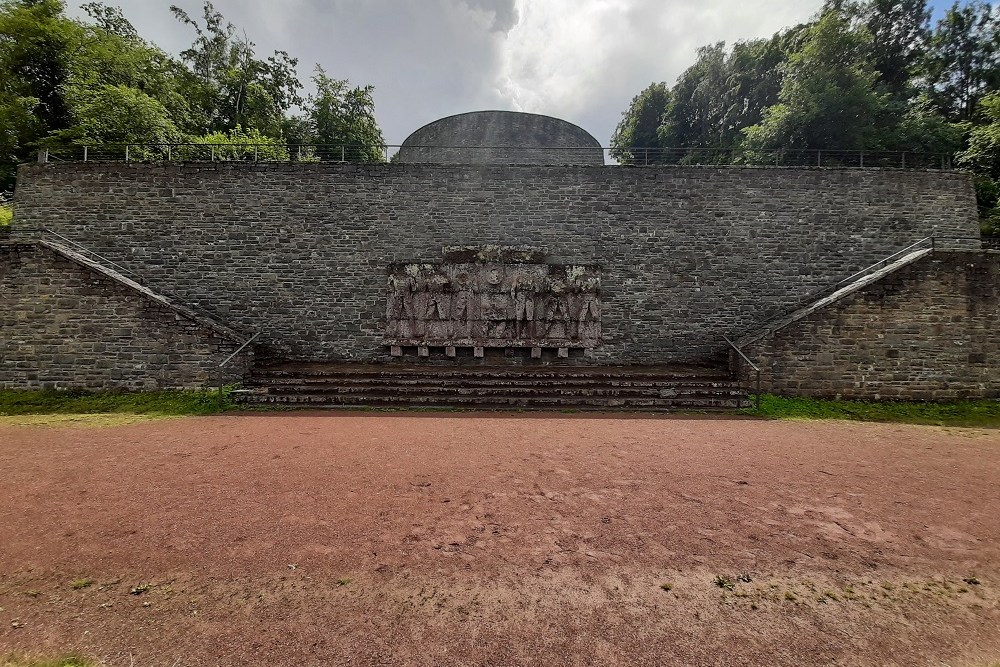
pixel 642 157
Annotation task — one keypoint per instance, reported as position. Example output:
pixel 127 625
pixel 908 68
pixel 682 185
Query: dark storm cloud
pixel 579 59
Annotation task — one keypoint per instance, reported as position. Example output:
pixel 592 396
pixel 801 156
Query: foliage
pixel 67 82
pixel 230 87
pixel 988 201
pixel 828 97
pixel 920 127
pixel 6 215
pixel 983 152
pixel 869 75
pixel 900 31
pixel 83 402
pixel 963 62
pixel 237 145
pixel 984 413
pixel 640 123
pixel 339 116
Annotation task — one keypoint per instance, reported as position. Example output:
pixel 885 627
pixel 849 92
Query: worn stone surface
pixel 930 331
pixel 501 137
pixel 687 254
pixel 66 326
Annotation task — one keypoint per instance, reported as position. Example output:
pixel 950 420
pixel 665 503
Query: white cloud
pixel 582 60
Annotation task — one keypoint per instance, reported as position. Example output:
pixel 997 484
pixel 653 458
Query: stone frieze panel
pixel 492 304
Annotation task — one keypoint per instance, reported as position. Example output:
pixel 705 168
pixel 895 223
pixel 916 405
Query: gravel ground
pixel 374 539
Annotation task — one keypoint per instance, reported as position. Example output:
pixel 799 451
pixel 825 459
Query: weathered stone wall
pixel 930 331
pixel 686 254
pixel 66 326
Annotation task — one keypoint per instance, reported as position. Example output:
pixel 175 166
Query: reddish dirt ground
pixel 364 539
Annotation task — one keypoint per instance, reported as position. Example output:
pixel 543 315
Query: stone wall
pixel 302 252
pixel 67 326
pixel 929 331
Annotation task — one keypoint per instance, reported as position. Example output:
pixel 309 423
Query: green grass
pixel 984 413
pixel 6 214
pixel 144 403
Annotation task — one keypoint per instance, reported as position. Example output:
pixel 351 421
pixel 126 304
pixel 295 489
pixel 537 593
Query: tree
pixel 755 74
pixel 983 152
pixel 121 115
pixel 698 102
pixel 340 117
pixel 639 126
pixel 229 85
pixel 921 129
pixel 963 62
pixel 35 39
pixel 828 98
pixel 900 31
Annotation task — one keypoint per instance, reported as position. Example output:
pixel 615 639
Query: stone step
pixel 504 391
pixel 549 387
pixel 480 403
pixel 574 383
pixel 489 372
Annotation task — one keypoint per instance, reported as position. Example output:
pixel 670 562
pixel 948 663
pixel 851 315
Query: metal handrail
pixel 886 260
pixel 929 241
pixel 632 156
pixel 755 367
pixel 226 361
pixel 78 246
pixel 135 277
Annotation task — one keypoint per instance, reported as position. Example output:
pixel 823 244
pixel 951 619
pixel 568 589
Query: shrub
pixel 238 145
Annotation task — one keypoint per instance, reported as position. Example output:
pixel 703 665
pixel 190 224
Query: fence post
pixel 819 158
pixel 342 153
pixel 43 155
pixel 170 153
pixel 862 155
pixel 127 147
pixel 85 153
pixel 903 156
pixel 213 153
pixel 256 148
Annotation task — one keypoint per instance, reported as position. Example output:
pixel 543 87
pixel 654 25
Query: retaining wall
pixel 687 254
pixel 64 325
pixel 929 331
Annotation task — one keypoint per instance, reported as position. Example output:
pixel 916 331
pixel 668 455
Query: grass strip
pixel 143 403
pixel 980 413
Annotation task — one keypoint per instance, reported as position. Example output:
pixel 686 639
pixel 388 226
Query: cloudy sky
pixel 582 60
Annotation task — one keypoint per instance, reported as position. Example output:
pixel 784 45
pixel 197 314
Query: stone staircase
pixel 328 385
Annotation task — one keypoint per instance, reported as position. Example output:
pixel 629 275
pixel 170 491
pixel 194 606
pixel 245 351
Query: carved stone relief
pixel 493 297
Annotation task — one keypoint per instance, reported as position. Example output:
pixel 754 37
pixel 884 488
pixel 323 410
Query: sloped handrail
pixel 755 367
pixel 926 242
pixel 132 275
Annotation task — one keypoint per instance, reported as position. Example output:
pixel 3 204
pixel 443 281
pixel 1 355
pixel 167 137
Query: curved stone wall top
pixel 501 137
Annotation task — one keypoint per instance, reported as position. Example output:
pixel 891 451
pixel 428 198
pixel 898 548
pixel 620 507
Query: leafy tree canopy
pixel 66 82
